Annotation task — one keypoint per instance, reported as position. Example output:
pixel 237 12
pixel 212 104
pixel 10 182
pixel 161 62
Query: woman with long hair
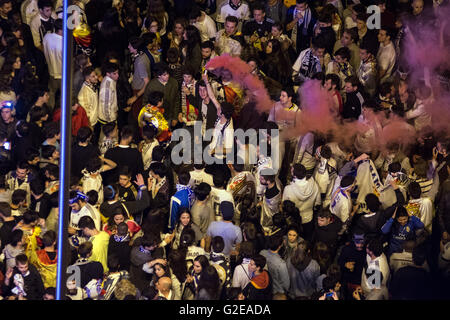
pixel 6 91
pixel 175 37
pixel 117 218
pixel 185 221
pixel 13 64
pixel 323 256
pixel 189 247
pixel 193 276
pixel 157 11
pixel 30 54
pixel 303 272
pixel 208 285
pixel 131 19
pixel 178 274
pixel 290 242
pixel 250 232
pixel 159 270
pixel 192 53
pixel 276 64
pixel 291 213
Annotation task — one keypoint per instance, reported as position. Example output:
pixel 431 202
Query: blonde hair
pixel 124 288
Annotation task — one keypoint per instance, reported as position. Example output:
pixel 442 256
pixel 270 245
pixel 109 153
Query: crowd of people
pixel 320 217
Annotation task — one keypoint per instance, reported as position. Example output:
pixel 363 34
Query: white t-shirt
pixel 87 210
pixel 222 138
pixel 53 54
pixel 207 28
pixel 242 13
pixel 217 196
pixel 199 176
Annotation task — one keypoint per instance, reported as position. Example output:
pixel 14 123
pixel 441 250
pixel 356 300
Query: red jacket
pixel 79 119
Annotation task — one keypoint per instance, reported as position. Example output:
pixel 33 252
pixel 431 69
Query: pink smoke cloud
pixel 240 72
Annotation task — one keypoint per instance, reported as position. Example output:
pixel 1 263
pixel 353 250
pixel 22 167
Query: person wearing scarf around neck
pixel 300 25
pixel 260 286
pixel 341 202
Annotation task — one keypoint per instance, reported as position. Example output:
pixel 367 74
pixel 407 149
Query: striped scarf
pixel 375 178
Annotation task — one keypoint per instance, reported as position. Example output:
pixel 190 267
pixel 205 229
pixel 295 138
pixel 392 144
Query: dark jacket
pixel 123 156
pixel 370 223
pixel 327 234
pixel 121 250
pixel 211 113
pixel 137 259
pixel 411 283
pixel 329 37
pixel 89 270
pixel 194 58
pixel 33 285
pixel 80 155
pixel 129 207
pixel 349 253
pixel 353 105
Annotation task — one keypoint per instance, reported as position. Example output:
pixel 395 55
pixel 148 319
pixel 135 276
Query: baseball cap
pixel 358 238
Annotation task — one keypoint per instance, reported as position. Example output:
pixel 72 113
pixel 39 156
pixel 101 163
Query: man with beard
pixel 367 71
pixel 207 48
pixel 88 99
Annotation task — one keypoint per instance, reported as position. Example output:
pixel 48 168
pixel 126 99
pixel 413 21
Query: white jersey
pixel 217 196
pixel 86 210
pixel 199 176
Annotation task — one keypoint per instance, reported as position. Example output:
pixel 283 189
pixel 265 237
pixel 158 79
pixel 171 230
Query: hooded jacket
pixel 138 257
pixel 260 287
pixel 303 278
pixel 305 194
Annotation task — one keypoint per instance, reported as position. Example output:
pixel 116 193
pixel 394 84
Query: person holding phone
pixel 330 288
pixel 6 163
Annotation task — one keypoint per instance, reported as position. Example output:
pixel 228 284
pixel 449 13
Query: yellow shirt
pixel 100 249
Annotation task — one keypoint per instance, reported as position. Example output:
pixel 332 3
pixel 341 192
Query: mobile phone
pixel 7 145
pixel 329 294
